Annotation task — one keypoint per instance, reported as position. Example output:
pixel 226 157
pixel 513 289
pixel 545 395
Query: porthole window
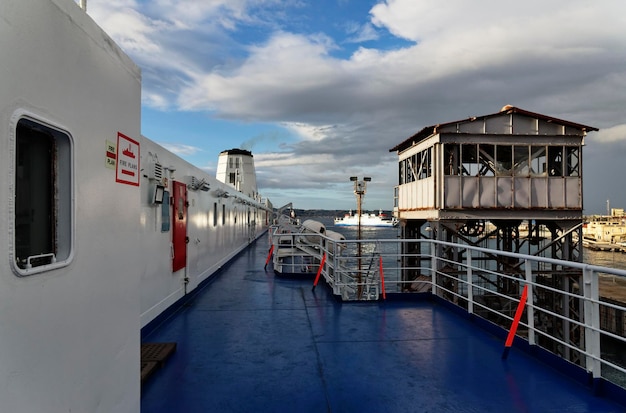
pixel 42 236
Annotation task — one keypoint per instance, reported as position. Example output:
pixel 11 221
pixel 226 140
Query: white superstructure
pixel 103 229
pixel 235 167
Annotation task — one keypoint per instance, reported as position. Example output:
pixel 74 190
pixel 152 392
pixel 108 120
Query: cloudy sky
pixel 320 90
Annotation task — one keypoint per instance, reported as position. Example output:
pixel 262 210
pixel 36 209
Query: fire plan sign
pixel 127 171
pixel 111 155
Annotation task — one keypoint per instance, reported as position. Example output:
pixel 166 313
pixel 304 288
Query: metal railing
pixel 566 311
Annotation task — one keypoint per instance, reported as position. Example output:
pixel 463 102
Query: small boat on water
pixel 367 220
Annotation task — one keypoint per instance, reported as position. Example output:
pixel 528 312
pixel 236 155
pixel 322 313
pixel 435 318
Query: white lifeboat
pixel 314 228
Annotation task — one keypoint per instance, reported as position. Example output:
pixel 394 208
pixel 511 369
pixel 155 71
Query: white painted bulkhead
pixel 70 332
pixel 71 314
pixel 235 167
pixel 220 223
pixel 418 196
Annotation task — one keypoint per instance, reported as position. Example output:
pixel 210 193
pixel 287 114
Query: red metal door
pixel 179 234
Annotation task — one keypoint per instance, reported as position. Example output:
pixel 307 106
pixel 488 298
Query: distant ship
pixel 367 220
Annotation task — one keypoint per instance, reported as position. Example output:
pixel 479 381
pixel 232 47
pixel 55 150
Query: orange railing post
pixel 269 256
pixel 518 315
pixel 319 271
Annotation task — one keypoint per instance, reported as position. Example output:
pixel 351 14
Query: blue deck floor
pixel 253 342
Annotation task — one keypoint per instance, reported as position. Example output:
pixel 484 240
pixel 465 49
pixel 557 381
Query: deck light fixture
pixel 360 187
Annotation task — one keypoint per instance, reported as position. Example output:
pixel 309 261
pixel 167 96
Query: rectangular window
pixel 43 198
pixel 214 214
pixel 486 159
pixel 504 160
pixel 451 160
pixel 469 158
pixel 223 214
pixel 427 167
pixel 538 161
pixel 573 161
pixel 415 166
pixel 521 160
pixel 406 170
pixel 555 160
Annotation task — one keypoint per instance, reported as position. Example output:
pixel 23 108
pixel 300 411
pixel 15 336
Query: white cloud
pixel 307 131
pixel 288 66
pixel 613 134
pixel 181 149
pixel 492 20
pixel 155 100
pixel 362 33
pixel 505 51
pixel 563 58
pixel 132 30
pixel 273 159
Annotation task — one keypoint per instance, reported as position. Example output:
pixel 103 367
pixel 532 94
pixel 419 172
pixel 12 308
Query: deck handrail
pixel 565 313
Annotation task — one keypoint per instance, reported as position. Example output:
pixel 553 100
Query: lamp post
pixel 360 187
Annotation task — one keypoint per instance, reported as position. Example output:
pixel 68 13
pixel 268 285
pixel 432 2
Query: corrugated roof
pixel 430 130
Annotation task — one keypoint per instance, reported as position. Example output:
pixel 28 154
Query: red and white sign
pixel 127 171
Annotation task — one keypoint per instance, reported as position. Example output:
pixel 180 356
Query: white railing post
pixel 592 323
pixel 470 288
pixel 323 252
pixel 530 309
pixel 334 262
pixel 433 267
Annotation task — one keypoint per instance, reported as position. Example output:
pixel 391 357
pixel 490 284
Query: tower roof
pixel 236 151
pixel 507 110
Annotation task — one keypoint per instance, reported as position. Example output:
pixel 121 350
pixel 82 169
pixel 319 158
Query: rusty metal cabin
pixel 513 163
pixel 500 170
pixel 512 181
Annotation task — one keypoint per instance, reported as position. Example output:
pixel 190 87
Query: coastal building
pixel 605 232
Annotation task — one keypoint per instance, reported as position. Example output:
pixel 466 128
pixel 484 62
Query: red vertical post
pixel 269 255
pixel 382 278
pixel 319 271
pixel 518 315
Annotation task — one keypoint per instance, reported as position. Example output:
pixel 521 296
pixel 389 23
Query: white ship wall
pixel 213 241
pixel 69 336
pixel 70 330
